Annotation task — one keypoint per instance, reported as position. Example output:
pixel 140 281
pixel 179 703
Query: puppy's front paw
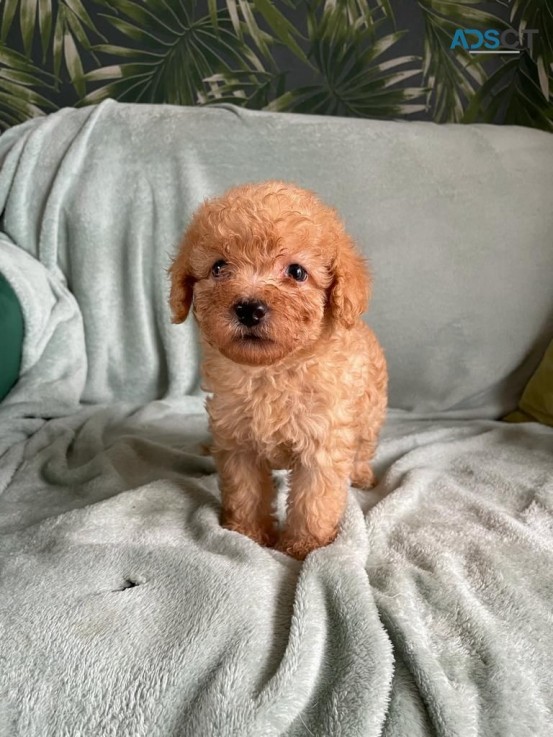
pixel 263 534
pixel 299 546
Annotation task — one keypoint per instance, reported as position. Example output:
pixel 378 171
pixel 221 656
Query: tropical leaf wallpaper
pixel 361 58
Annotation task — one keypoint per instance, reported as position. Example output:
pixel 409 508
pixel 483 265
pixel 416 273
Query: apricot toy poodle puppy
pixel 297 380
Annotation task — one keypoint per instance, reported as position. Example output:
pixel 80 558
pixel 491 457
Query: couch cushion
pixel 536 403
pixel 11 337
pixel 456 221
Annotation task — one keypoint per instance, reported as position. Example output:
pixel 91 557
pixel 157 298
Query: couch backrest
pixel 456 221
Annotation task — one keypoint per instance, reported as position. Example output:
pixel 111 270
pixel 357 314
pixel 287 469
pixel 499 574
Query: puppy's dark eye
pixel 297 272
pixel 218 267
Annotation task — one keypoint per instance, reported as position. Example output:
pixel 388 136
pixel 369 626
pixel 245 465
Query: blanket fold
pixel 130 611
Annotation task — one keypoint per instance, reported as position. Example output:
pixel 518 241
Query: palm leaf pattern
pixel 538 15
pixel 64 27
pixel 19 82
pixel 170 50
pixel 332 57
pixel 515 94
pixel 345 44
pixel 519 93
pixel 452 77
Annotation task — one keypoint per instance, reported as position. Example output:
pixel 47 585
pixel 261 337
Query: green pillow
pixel 11 337
pixel 536 403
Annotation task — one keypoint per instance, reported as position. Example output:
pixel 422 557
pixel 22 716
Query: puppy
pixel 297 380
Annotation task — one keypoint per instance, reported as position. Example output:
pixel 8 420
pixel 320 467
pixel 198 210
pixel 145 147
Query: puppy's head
pixel 268 268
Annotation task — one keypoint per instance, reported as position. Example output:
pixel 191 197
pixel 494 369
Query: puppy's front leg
pixel 316 503
pixel 246 488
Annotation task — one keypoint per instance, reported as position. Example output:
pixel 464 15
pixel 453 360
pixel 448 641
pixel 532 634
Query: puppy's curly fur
pixel 301 384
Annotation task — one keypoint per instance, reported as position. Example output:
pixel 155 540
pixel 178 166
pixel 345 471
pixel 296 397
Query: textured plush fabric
pixel 11 337
pixel 125 609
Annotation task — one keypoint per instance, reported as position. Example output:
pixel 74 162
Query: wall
pixel 364 58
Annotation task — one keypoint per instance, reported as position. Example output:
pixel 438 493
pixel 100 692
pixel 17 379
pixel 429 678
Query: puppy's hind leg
pixel 362 475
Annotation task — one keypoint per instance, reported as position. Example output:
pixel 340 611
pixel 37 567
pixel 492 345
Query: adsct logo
pixel 493 41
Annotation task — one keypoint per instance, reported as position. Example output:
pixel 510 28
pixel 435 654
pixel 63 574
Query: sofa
pixel 126 610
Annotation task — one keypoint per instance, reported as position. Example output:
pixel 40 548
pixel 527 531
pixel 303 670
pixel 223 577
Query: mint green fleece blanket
pixel 125 609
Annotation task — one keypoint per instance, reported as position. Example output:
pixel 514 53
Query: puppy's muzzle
pixel 250 313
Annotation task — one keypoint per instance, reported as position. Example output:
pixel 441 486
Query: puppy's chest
pixel 276 417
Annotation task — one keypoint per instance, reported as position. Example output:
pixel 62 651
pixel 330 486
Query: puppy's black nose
pixel 250 313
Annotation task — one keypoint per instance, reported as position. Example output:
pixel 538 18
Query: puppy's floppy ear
pixel 182 285
pixel 351 285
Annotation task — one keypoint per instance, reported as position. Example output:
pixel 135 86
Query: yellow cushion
pixel 536 403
